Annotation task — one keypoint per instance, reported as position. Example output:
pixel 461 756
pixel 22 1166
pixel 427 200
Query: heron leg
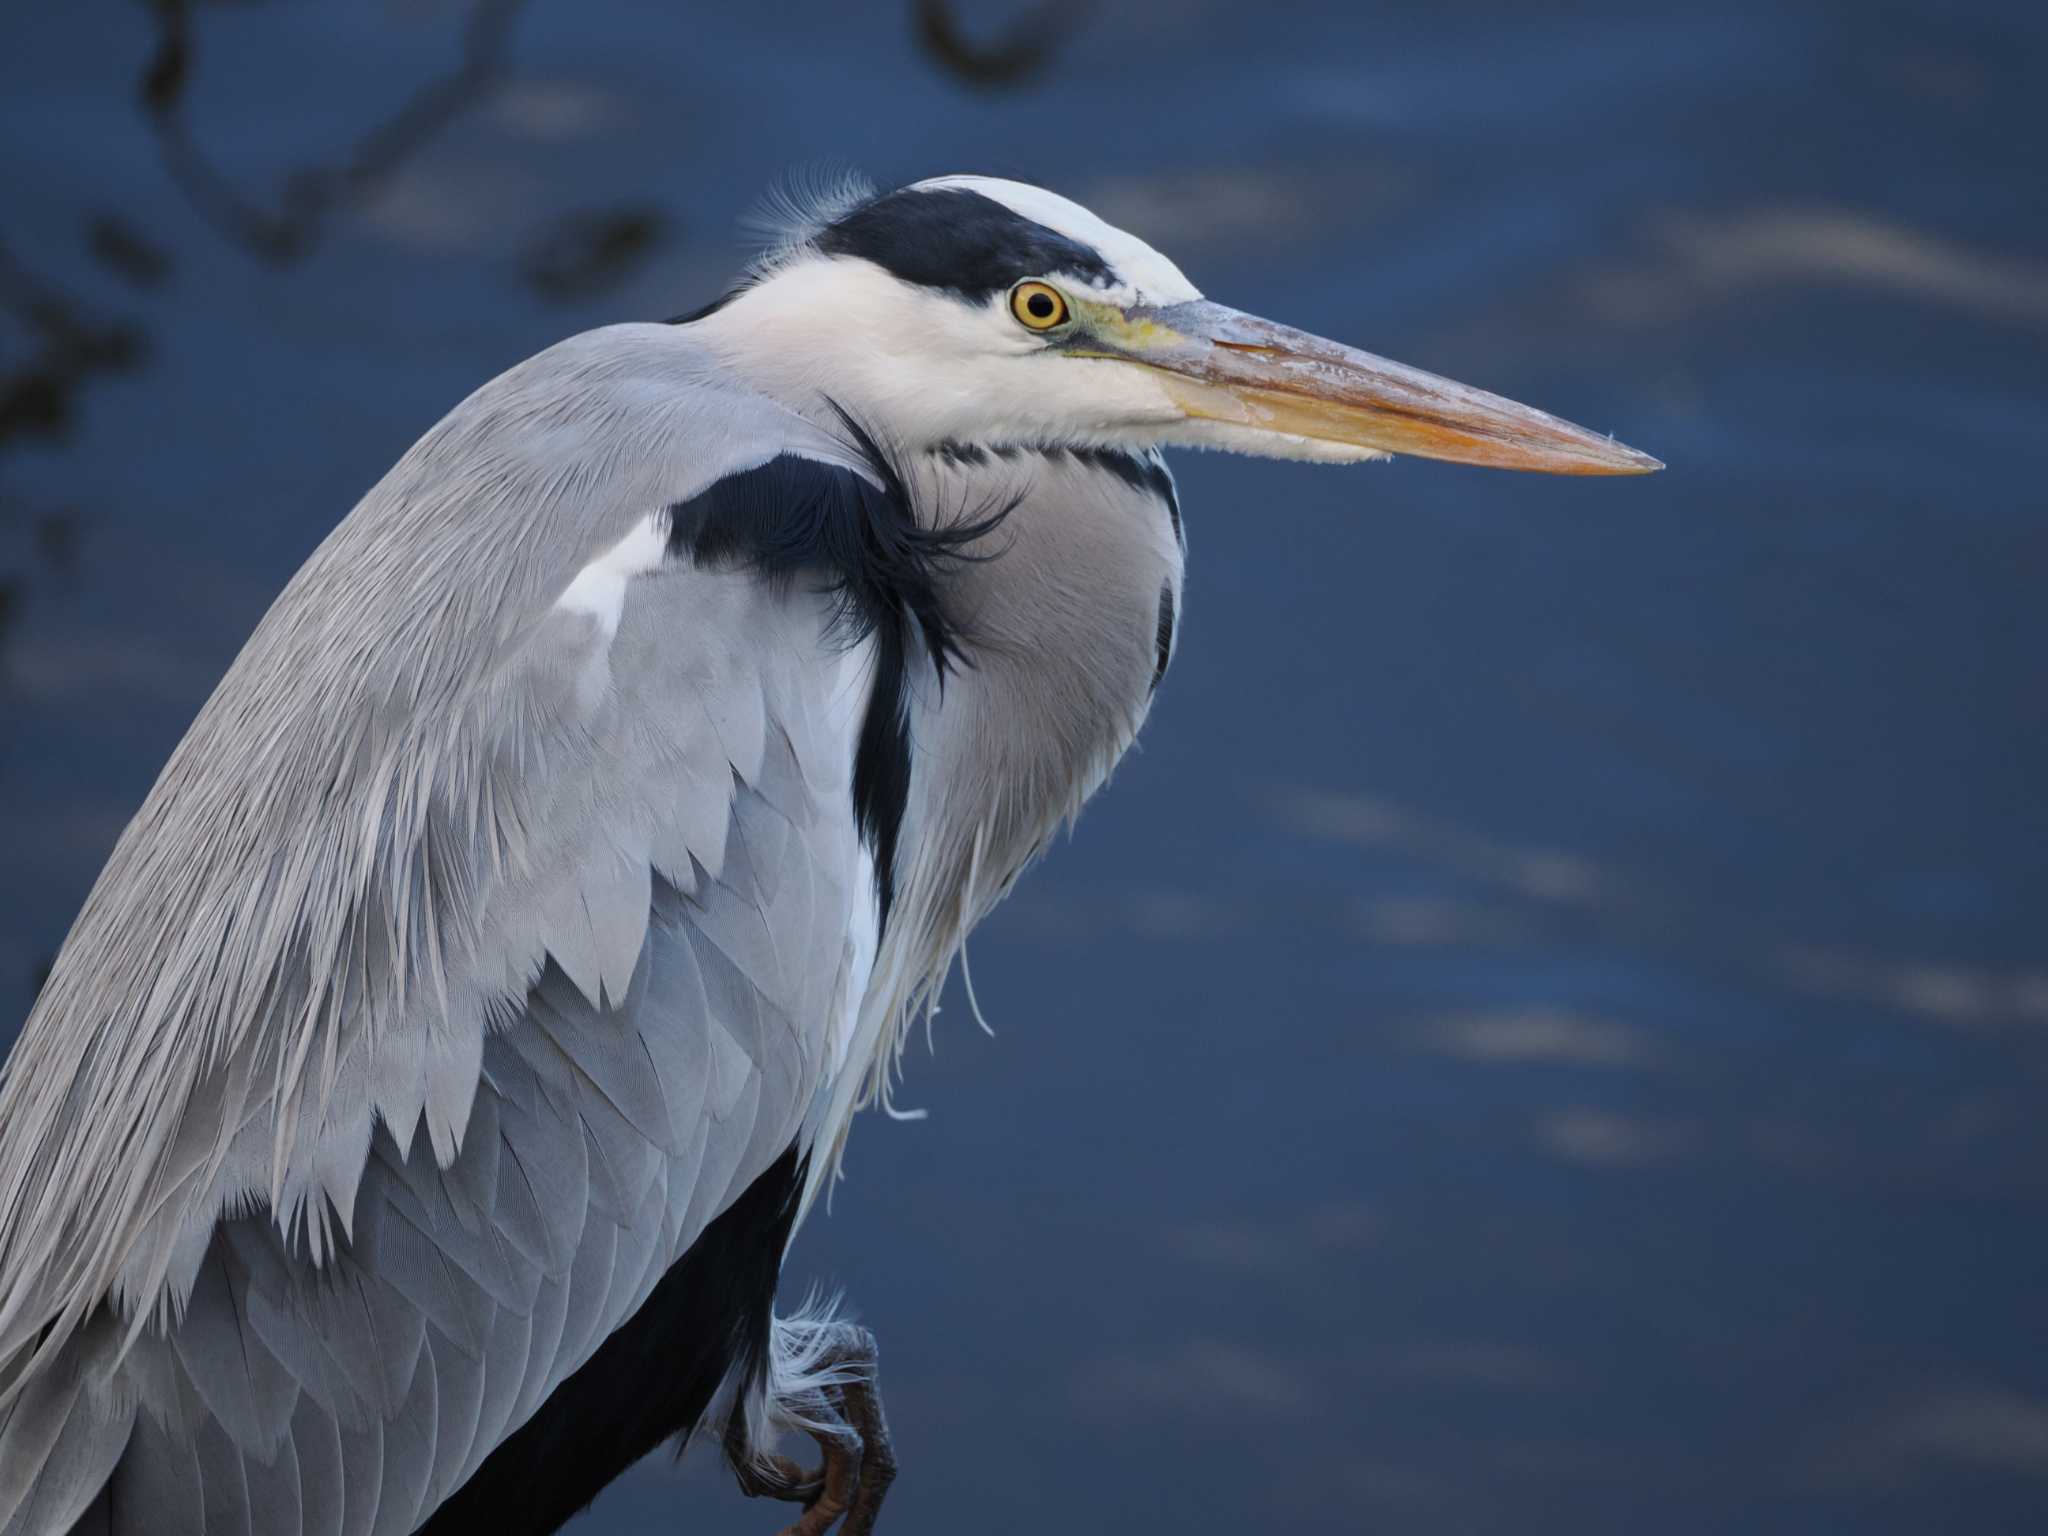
pixel 860 1404
pixel 847 1421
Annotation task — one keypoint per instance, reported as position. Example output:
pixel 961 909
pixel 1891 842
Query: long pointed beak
pixel 1223 365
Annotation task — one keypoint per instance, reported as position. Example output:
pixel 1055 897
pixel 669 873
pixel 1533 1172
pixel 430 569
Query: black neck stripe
pixel 1141 471
pixel 866 545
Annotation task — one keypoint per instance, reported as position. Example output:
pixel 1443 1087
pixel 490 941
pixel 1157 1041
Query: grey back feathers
pixel 422 782
pixel 511 907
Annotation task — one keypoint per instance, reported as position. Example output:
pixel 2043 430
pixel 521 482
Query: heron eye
pixel 1038 306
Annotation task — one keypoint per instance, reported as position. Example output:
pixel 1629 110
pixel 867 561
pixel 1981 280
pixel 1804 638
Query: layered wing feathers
pixel 470 955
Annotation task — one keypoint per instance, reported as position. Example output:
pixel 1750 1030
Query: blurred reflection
pixel 1598 1139
pixel 1600 1088
pixel 1009 58
pixel 1716 260
pixel 289 231
pixel 1556 1037
pixel 1206 1379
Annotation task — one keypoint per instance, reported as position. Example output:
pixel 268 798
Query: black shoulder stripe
pixel 652 1379
pixel 864 542
pixel 959 241
pixel 795 515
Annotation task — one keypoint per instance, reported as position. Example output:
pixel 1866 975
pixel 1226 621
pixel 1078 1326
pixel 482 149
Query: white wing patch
pixel 599 589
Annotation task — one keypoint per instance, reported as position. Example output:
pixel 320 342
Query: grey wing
pixel 475 950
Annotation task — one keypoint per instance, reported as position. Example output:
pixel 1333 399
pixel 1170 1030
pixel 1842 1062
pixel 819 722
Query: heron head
pixel 972 310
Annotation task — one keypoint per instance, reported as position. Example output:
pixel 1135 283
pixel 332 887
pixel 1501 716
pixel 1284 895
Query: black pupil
pixel 1040 305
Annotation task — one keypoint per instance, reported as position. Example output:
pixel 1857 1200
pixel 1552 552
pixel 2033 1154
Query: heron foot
pixel 853 1435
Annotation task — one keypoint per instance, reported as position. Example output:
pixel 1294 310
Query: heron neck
pixel 1060 614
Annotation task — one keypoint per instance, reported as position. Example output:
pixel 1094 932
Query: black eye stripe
pixel 959 241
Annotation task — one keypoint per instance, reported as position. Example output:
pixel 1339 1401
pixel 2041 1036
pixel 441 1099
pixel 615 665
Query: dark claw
pixel 863 1408
pixel 769 1476
pixel 860 1458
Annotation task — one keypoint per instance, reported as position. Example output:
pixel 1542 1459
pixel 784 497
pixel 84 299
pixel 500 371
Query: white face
pixel 927 367
pixel 999 313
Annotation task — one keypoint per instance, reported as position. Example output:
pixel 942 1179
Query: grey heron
pixel 411 1128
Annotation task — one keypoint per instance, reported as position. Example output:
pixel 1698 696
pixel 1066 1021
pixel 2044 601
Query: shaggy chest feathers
pixel 1019 608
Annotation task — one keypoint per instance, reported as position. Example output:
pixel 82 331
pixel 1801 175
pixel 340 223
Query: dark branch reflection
pixel 289 232
pixel 1021 53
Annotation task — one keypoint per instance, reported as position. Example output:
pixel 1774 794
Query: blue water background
pixel 1549 1033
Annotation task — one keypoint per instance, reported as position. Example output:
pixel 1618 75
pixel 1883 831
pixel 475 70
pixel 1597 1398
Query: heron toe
pixel 859 1464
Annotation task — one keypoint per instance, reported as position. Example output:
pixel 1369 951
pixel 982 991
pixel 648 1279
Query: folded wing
pixel 481 944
